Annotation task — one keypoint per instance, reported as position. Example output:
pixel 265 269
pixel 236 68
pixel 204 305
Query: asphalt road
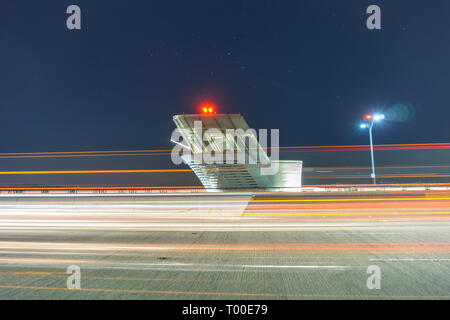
pixel 298 246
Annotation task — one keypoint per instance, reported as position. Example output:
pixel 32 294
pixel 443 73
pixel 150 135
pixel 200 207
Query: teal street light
pixel 369 120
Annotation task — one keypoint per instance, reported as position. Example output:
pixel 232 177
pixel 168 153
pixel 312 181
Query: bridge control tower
pixel 250 168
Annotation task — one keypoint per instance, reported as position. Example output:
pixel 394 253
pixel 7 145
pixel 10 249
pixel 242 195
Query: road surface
pixel 270 246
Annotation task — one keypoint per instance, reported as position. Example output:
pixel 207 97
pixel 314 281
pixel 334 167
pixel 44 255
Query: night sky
pixel 309 68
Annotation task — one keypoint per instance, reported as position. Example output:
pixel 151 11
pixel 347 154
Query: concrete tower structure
pixel 240 162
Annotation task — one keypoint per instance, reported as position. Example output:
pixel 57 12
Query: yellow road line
pixel 238 214
pixel 64 275
pixel 348 213
pixel 85 155
pixel 170 150
pixel 143 291
pixel 92 171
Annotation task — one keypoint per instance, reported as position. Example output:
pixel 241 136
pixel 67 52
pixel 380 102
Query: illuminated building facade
pixel 239 161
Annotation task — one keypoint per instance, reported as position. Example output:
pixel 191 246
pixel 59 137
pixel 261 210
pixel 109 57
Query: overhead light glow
pixel 378 117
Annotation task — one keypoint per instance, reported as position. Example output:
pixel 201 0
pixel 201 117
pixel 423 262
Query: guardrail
pixel 96 191
pixel 143 190
pixel 377 188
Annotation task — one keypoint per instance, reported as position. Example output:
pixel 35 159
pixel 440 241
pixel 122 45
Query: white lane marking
pixel 176 265
pixel 115 254
pixel 411 259
pixel 295 267
pixel 151 268
pixel 358 232
pixel 48 253
pixel 171 215
pixel 94 223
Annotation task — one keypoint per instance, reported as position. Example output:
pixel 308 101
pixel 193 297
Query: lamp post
pixel 369 121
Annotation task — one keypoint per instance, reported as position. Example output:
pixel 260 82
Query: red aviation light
pixel 208 109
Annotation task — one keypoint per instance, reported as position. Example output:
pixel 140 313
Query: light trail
pixel 375 247
pixel 307 175
pixel 93 171
pixel 83 155
pixel 93 188
pixel 365 176
pixel 64 275
pixel 125 240
pixel 419 184
pixel 98 188
pixel 258 200
pixel 111 171
pixel 404 175
pixel 82 152
pixel 419 146
pixel 443 144
pixel 378 167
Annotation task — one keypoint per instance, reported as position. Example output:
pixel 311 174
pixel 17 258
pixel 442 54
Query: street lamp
pixel 369 121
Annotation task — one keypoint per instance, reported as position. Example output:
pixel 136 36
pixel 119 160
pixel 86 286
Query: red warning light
pixel 208 109
pixel 367 117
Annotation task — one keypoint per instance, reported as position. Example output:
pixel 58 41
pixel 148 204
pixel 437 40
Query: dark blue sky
pixel 309 68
